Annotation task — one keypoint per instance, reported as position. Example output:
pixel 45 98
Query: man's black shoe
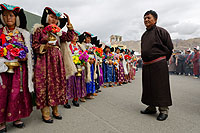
pixel 147 111
pixel 162 117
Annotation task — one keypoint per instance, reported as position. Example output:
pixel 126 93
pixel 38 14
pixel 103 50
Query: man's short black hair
pixel 153 13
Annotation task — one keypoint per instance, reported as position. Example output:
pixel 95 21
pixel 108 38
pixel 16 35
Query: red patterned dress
pixel 49 80
pixel 15 98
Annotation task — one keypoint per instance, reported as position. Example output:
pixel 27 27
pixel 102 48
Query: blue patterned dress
pixel 108 71
pixel 90 87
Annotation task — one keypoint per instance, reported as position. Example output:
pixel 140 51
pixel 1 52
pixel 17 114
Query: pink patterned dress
pixel 120 71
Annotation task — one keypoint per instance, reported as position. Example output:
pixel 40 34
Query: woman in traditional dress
pixel 15 88
pixel 50 76
pixel 85 40
pixel 99 68
pixel 133 65
pixel 98 81
pixel 123 53
pixel 131 69
pixel 76 87
pixel 120 69
pixel 128 61
pixel 108 67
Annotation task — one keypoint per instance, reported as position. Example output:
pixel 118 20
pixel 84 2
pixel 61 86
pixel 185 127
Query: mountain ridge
pixel 179 44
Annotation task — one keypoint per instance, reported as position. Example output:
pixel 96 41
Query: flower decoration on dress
pixel 80 58
pixel 76 60
pixel 99 52
pixel 127 57
pixel 14 50
pixel 53 29
pixel 110 56
pixel 134 58
pixel 84 57
pixel 116 57
pixel 91 50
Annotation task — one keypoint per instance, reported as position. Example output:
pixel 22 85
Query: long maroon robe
pixel 49 80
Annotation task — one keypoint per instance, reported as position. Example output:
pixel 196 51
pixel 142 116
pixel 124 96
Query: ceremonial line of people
pixel 187 63
pixel 52 66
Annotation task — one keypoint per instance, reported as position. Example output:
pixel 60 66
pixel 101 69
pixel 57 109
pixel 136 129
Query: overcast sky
pixel 123 17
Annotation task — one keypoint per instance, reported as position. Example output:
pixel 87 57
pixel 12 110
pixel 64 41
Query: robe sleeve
pixel 67 36
pixel 196 58
pixel 39 41
pixel 166 39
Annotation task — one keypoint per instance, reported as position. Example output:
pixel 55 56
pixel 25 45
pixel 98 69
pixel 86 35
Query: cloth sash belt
pixel 154 61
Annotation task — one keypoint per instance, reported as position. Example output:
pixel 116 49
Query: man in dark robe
pixel 188 63
pixel 180 62
pixel 172 64
pixel 156 49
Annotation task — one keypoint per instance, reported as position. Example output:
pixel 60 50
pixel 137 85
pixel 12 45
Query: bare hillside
pixel 178 44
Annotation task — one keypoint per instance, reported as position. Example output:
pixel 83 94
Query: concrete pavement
pixel 117 110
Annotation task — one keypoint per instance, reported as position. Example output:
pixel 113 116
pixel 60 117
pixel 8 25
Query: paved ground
pixel 116 110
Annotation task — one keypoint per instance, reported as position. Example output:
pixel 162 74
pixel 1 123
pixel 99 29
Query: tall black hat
pixel 132 52
pixel 21 21
pixel 112 49
pixel 44 21
pixel 127 50
pixel 117 49
pixel 97 44
pixel 104 50
pixel 94 40
pixel 85 35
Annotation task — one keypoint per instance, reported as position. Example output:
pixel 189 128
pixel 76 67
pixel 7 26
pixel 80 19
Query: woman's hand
pixel 68 20
pixel 84 64
pixel 110 62
pixel 69 25
pixel 47 46
pixel 91 61
pixel 24 59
